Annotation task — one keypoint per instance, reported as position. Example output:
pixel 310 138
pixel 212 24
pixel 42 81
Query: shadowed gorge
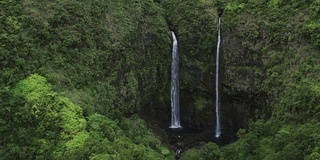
pixel 93 79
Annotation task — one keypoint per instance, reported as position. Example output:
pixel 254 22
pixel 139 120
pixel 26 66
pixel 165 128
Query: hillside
pixel 91 79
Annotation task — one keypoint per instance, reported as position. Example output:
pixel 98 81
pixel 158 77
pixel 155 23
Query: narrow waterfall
pixel 175 111
pixel 218 129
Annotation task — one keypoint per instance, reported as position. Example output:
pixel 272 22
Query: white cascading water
pixel 218 129
pixel 175 111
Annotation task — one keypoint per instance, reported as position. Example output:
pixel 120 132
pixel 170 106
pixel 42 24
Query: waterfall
pixel 218 129
pixel 175 111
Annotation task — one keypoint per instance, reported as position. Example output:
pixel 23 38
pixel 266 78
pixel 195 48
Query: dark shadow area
pixel 187 137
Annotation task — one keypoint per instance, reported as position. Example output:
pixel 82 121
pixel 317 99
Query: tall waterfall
pixel 218 129
pixel 175 111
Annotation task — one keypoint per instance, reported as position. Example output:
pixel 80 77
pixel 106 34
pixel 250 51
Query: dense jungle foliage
pixel 74 74
pixel 91 79
pixel 272 47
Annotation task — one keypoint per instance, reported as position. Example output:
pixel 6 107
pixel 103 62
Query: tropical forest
pixel 160 79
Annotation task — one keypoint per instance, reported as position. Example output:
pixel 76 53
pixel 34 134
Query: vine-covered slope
pixel 74 74
pixel 76 77
pixel 271 53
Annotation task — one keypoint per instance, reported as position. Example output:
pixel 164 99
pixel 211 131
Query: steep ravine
pixel 241 99
pixel 77 77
